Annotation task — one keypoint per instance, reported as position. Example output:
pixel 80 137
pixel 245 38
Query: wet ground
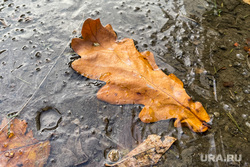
pixel 192 39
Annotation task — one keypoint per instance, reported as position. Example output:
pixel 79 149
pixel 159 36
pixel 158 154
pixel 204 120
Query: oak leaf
pixel 147 153
pixel 134 78
pixel 20 148
pixel 247 1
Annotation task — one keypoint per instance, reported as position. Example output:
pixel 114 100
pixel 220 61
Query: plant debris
pixel 20 148
pixel 147 153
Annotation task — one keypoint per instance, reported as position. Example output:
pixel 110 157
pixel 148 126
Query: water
pixel 186 39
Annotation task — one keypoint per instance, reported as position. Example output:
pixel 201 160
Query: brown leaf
pixel 20 148
pixel 134 78
pixel 247 1
pixel 147 153
pixel 247 49
pixel 228 84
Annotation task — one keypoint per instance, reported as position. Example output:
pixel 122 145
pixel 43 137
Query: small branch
pixel 215 91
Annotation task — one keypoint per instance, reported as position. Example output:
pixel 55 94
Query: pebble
pixel 246 91
pixel 24 47
pixel 240 56
pixel 113 155
pixel 105 120
pixel 68 112
pixel 216 114
pixel 248 124
pixel 38 54
pixel 76 121
pixel 211 116
pixel 226 128
pixel 86 127
pixel 236 64
pixel 244 116
pixel 223 47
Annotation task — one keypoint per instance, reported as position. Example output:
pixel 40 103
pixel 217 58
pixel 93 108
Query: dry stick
pixel 215 92
pixel 188 18
pixel 22 80
pixel 234 121
pixel 27 102
pixel 3 22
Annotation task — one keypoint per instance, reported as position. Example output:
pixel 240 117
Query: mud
pixel 192 39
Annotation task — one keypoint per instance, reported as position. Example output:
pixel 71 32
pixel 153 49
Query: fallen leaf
pixel 247 1
pixel 20 148
pixel 236 44
pixel 228 84
pixel 147 153
pixel 134 78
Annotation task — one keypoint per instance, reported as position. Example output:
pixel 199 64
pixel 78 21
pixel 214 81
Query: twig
pixel 12 72
pixel 232 95
pixel 116 142
pixel 22 80
pixel 3 22
pixel 222 145
pixel 231 50
pixel 215 71
pixel 246 16
pixel 232 118
pixel 215 4
pixel 215 91
pixel 189 18
pixel 2 51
